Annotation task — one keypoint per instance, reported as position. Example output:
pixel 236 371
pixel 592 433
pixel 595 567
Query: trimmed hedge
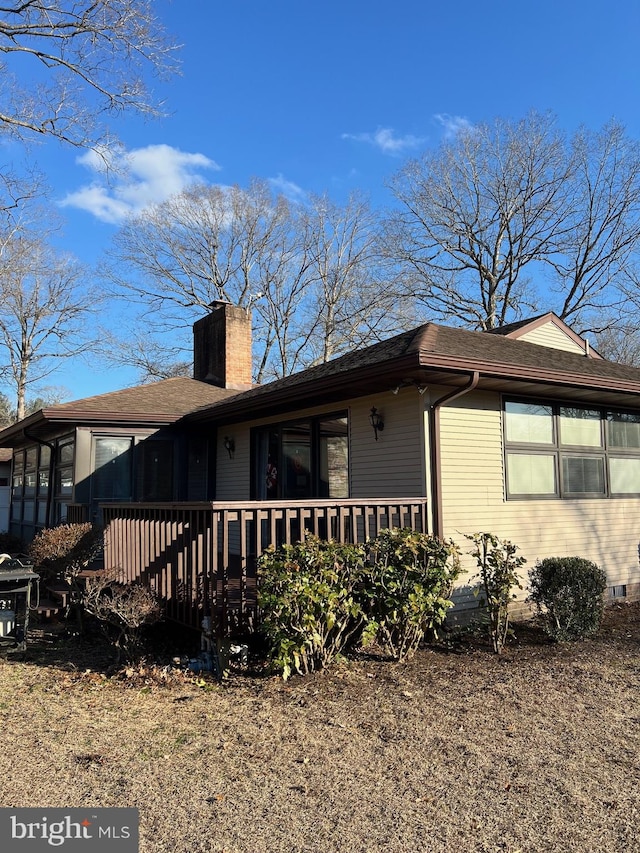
pixel 569 594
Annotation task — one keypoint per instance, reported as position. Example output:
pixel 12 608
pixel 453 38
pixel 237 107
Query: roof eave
pixel 532 374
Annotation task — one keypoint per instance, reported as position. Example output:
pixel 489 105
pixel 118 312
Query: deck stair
pixel 47 608
pixel 60 591
pixel 54 600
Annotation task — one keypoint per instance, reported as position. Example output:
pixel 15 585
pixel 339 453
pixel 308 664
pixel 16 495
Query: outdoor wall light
pixel 376 421
pixel 230 446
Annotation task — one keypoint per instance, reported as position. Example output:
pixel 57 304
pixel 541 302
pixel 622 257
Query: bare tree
pixel 348 303
pixel 488 214
pixel 620 343
pixel 45 307
pixel 67 63
pixel 138 348
pixel 204 244
pixel 307 272
pixel 601 233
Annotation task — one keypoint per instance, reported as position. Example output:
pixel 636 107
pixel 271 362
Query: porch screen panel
pixel 112 469
pixel 157 470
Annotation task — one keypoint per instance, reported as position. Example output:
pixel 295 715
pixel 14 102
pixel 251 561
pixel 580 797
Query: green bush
pixel 569 593
pixel 498 576
pixel 406 587
pixel 309 610
pixel 317 598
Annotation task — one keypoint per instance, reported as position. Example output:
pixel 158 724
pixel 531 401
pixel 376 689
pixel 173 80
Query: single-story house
pixel 525 432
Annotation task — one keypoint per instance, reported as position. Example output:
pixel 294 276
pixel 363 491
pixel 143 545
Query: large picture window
pixel 308 458
pixel 554 450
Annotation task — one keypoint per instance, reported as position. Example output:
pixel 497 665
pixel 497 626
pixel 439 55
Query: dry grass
pixel 455 750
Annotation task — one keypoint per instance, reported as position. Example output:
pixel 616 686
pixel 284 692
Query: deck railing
pixel 200 558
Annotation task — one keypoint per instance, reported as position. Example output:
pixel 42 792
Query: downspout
pixel 436 456
pixel 52 460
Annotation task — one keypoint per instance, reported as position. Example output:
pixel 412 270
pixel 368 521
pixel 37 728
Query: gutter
pixel 436 456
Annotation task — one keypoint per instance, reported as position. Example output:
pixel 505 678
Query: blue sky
pixel 333 96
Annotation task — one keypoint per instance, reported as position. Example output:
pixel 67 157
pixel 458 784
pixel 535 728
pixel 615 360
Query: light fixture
pixel 376 421
pixel 230 446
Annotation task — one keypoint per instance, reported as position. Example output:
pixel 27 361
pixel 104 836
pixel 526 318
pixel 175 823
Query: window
pixel 32 505
pixel 560 451
pixel 112 469
pixel 301 459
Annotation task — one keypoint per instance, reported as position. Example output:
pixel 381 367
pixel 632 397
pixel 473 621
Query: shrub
pixel 123 610
pixel 569 593
pixel 498 576
pixel 64 551
pixel 309 610
pixel 406 587
pixel 61 553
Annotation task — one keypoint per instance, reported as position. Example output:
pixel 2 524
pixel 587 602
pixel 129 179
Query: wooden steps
pixel 47 608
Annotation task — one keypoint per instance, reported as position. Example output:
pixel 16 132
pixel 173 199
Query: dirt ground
pixel 456 750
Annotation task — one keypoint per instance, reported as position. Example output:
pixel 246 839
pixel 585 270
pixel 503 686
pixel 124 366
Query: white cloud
pixel 452 125
pixel 387 141
pixel 288 189
pixel 126 182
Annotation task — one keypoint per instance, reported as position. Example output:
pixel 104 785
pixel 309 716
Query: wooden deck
pixel 200 558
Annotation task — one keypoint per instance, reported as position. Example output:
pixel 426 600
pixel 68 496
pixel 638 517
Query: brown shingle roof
pixel 167 398
pixel 437 353
pixel 155 404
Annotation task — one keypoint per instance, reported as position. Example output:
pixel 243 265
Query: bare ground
pixel 456 750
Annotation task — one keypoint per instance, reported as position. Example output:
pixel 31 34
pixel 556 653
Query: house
pixel 525 432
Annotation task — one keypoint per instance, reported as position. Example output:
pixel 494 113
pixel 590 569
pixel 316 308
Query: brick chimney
pixel 222 347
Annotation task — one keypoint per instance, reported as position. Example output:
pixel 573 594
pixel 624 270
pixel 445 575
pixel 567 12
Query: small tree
pixel 569 593
pixel 498 575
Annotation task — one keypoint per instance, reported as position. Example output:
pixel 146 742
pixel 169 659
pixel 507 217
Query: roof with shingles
pixel 154 404
pixel 433 353
pixel 167 398
pixel 442 349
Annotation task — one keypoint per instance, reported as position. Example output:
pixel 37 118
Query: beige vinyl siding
pixel 549 335
pixel 606 531
pixel 393 466
pixel 233 476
